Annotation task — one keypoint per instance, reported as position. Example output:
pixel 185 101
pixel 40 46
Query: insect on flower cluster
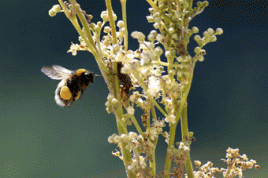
pixel 156 78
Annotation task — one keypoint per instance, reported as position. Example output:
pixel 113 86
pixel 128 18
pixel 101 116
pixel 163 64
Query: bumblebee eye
pixel 88 75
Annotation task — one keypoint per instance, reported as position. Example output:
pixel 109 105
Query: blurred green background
pixel 228 104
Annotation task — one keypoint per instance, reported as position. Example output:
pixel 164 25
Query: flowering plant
pixel 163 69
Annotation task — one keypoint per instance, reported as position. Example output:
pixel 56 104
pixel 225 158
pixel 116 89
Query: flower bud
pixel 210 31
pixel 114 101
pixel 132 135
pixel 120 24
pixel 171 30
pixel 111 139
pixel 199 4
pixel 158 51
pixel 114 16
pixel 52 13
pixel 97 28
pixel 219 31
pixel 107 29
pixel 130 110
pixel 156 25
pixel 151 10
pixel 205 3
pixel 105 16
pixel 140 102
pixel 54 10
pixel 200 58
pixel 203 52
pixel 159 37
pixel 213 38
pixel 197 38
pixel 150 19
pixel 205 34
pixel 168 54
pixel 197 163
pixel 197 50
pixel 195 30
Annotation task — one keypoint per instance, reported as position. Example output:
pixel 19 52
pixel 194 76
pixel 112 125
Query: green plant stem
pixel 133 119
pixel 152 162
pixel 172 130
pixel 124 15
pixel 170 67
pixel 185 135
pixel 111 20
pixel 153 113
pixel 184 124
pixel 91 41
pixel 127 158
pixel 87 30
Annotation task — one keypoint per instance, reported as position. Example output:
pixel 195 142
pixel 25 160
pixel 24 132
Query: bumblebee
pixel 72 85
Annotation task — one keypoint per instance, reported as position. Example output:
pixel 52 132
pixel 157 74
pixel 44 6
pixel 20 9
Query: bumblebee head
pixel 86 76
pixel 90 76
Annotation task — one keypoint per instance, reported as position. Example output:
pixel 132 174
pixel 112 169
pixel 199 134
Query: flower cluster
pixel 236 164
pixel 136 143
pixel 161 70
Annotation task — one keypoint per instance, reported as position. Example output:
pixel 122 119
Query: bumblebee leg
pixel 82 92
pixel 77 96
pixel 71 102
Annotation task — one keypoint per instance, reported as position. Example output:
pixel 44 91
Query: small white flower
pixel 159 37
pixel 168 102
pixel 138 35
pixel 132 135
pixel 130 110
pixel 114 16
pixel 73 49
pixel 111 139
pixel 129 56
pixel 145 58
pixel 139 102
pixel 219 31
pixel 153 86
pixel 170 119
pixel 123 136
pixel 107 29
pixel 147 46
pixel 117 139
pixel 120 24
pixel 158 51
pixel 104 15
pixel 144 72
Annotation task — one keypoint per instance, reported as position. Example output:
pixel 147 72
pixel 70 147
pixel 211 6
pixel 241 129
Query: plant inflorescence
pixel 156 76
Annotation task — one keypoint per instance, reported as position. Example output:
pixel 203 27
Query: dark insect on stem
pixel 125 80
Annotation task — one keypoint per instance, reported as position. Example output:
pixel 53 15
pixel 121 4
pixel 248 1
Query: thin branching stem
pixel 111 20
pixel 185 135
pixel 136 124
pixel 124 15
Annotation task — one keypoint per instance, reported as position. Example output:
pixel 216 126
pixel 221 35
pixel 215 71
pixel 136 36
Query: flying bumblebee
pixel 72 85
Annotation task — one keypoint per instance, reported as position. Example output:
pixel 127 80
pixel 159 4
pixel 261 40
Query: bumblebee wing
pixel 56 72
